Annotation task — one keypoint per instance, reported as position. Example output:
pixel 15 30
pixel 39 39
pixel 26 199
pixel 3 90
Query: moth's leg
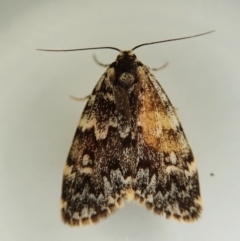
pixel 160 68
pixel 99 63
pixel 80 99
pixel 87 97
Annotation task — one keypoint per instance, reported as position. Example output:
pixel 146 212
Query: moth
pixel 129 145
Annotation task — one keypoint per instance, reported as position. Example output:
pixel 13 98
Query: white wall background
pixel 38 120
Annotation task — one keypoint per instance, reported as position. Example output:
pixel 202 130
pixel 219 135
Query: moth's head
pixel 126 60
pixel 126 67
pixel 126 54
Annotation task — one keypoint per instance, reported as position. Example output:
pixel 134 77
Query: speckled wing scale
pixel 129 144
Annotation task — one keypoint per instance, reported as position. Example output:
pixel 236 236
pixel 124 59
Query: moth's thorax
pixel 126 68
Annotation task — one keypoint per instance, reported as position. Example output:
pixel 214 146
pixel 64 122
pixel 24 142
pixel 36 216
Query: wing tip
pixel 76 219
pixel 189 214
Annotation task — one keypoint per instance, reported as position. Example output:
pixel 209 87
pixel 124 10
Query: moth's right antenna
pixel 174 39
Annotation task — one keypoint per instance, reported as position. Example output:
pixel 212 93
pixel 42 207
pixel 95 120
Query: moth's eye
pixel 126 79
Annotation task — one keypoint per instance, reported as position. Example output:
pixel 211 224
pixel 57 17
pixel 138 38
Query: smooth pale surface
pixel 38 119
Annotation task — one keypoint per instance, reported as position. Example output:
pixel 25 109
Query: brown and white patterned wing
pixel 166 178
pixel 97 175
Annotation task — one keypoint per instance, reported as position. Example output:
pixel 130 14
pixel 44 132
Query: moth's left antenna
pixel 68 50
